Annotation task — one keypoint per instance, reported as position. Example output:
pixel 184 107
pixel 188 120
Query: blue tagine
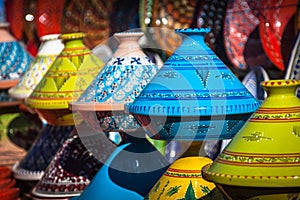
pixel 14 60
pixel 135 165
pixel 194 96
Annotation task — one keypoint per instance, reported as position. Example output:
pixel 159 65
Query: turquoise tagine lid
pixel 194 95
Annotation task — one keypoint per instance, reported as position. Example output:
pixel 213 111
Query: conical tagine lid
pixel 50 48
pixel 69 75
pixel 69 172
pixel 122 79
pixel 196 93
pixel 266 151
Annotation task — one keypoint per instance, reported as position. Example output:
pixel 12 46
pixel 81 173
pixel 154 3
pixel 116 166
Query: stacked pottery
pixel 74 165
pixel 135 165
pixel 262 160
pixel 8 191
pixel 50 99
pixel 14 60
pixel 194 97
pixel 50 48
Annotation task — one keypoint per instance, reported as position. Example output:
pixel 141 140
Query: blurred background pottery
pixel 274 18
pixel 262 159
pixel 14 60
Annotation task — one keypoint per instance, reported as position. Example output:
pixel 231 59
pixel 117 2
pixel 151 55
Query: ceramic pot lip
pixel 14 94
pixel 23 174
pixel 281 82
pixel 193 30
pixel 10 103
pixel 4 24
pixel 5 84
pixel 67 195
pixel 96 106
pixel 50 37
pixel 72 36
pixel 251 180
pixel 135 33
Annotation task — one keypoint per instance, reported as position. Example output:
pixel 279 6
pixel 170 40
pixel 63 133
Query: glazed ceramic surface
pixel 33 165
pixel 274 18
pixel 14 62
pixel 97 20
pixel 68 76
pixel 129 173
pixel 48 17
pixel 2 14
pixel 265 152
pixel 123 78
pixel 193 96
pixel 182 180
pixel 240 22
pixel 7 100
pixel 73 165
pixel 50 48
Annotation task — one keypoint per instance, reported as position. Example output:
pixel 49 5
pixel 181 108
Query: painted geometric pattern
pixel 14 60
pixel 121 80
pixel 35 73
pixel 259 160
pixel 69 75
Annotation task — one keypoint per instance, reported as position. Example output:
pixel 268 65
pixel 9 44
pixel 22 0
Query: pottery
pixel 5 172
pixel 240 22
pixel 15 17
pixel 125 75
pixel 6 100
pixel 69 172
pixel 194 96
pixel 211 14
pixel 255 163
pixel 274 18
pixel 48 17
pixel 96 22
pixel 130 171
pixel 182 179
pixel 7 183
pixel 50 48
pixel 68 76
pixel 38 157
pixel 10 194
pixel 14 60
